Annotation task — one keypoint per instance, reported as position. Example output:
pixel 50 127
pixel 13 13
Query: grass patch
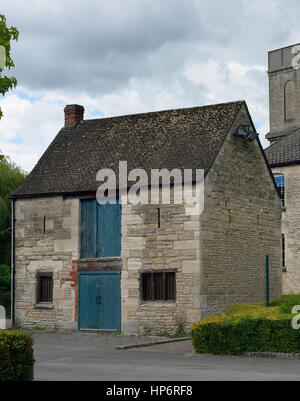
pixel 178 334
pixel 37 328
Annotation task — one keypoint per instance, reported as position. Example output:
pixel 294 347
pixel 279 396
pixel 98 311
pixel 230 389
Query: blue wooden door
pixel 88 228
pixel 99 301
pixel 109 230
pixel 100 229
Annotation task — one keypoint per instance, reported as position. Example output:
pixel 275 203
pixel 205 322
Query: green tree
pixel 5 280
pixel 11 177
pixel 6 36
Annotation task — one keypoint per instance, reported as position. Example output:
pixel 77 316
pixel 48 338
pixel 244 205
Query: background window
pixel 280 182
pixel 158 286
pixel 44 288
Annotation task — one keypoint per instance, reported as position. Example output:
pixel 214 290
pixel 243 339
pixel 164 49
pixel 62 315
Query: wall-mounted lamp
pixel 243 131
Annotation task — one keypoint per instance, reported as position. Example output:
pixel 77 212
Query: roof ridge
pixel 167 110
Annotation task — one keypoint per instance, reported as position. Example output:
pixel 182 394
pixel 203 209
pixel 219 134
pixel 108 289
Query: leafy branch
pixel 6 36
pixel 11 177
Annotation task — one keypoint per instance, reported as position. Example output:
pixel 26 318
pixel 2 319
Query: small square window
pixel 44 288
pixel 158 286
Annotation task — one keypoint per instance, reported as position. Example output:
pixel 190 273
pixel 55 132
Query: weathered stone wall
pixel 145 247
pixel 239 226
pixel 284 90
pixel 174 246
pixel 291 227
pixel 55 251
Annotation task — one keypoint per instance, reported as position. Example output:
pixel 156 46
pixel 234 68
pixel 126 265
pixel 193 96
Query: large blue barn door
pixel 99 301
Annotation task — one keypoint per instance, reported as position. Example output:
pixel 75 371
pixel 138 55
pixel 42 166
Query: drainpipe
pixel 267 282
pixel 13 260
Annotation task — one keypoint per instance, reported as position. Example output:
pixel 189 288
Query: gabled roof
pixel 185 138
pixel 286 151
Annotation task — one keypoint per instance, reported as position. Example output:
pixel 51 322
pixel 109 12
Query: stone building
pixel 284 154
pixel 145 268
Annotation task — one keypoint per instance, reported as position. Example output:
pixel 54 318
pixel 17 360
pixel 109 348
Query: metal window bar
pixel 158 286
pixel 147 287
pixel 170 286
pixel 45 289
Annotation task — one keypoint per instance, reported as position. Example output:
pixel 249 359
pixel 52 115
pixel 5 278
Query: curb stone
pixel 279 355
pixel 147 344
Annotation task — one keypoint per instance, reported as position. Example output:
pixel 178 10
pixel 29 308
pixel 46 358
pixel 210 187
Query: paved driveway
pixel 92 356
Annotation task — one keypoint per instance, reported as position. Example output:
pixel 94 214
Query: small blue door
pixel 99 301
pixel 88 228
pixel 100 229
pixel 109 230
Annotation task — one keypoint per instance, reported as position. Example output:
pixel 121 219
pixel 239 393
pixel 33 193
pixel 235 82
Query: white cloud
pixel 145 55
pixel 27 128
pixel 240 81
pixel 31 123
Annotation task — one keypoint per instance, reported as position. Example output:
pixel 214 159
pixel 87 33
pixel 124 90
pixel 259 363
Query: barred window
pixel 158 286
pixel 44 288
pixel 280 182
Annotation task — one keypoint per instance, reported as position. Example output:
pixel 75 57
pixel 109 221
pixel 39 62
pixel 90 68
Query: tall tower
pixel 284 155
pixel 284 91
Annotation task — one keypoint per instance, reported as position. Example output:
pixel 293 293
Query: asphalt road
pixel 92 356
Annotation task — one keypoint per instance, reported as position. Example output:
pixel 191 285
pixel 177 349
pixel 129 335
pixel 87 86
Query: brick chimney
pixel 73 114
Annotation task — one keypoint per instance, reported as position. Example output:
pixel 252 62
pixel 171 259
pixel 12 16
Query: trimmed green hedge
pixel 16 356
pixel 249 328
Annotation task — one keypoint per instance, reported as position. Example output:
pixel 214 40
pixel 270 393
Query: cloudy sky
pixel 128 56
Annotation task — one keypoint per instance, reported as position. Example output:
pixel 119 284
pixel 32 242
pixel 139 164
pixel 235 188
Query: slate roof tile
pixel 285 151
pixel 187 138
